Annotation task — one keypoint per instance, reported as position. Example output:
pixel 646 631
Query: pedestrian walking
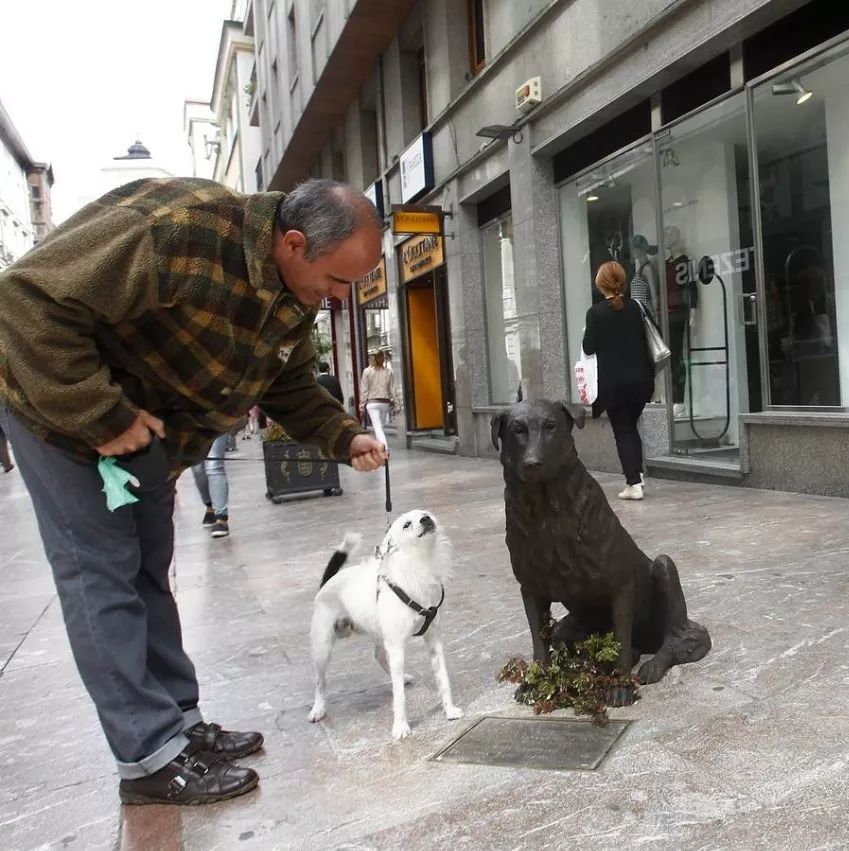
pixel 330 382
pixel 253 420
pixel 163 311
pixel 377 391
pixel 211 480
pixel 616 335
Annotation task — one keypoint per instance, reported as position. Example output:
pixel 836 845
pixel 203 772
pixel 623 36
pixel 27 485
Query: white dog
pixel 395 594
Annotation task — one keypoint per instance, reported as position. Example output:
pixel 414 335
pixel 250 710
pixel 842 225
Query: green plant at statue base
pixel 275 433
pixel 577 678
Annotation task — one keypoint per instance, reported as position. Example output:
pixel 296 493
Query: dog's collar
pixel 428 614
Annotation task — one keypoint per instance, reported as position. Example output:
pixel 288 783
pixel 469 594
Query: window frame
pixel 476 21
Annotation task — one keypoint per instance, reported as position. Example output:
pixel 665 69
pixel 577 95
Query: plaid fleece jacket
pixel 161 295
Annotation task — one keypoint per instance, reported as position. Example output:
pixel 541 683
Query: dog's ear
pixel 496 425
pixel 576 413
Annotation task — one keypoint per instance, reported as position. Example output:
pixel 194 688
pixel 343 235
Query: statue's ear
pixel 576 413
pixel 496 424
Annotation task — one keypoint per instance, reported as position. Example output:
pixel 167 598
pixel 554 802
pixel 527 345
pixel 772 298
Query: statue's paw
pixel 620 696
pixel 651 670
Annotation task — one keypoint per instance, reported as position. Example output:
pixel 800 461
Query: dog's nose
pixel 427 522
pixel 533 462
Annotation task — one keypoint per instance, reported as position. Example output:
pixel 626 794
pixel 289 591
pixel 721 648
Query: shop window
pixel 801 121
pixel 477 36
pixel 502 316
pixel 609 213
pixel 706 205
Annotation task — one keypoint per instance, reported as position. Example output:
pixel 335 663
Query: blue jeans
pixel 211 478
pixel 111 575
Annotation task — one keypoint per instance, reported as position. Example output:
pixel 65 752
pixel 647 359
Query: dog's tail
pixel 338 559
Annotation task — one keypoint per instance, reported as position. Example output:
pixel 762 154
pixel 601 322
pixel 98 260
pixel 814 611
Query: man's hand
pixel 136 437
pixel 367 454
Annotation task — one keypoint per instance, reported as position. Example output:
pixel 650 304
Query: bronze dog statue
pixel 567 545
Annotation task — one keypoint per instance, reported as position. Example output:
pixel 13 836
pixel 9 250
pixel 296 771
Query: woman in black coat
pixel 616 335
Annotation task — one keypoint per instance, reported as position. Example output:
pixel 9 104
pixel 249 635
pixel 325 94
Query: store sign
pixel 416 164
pixel 373 285
pixel 375 194
pixel 421 254
pixel 425 220
pixel 330 304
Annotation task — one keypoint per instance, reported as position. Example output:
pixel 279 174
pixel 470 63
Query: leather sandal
pixel 228 743
pixel 191 778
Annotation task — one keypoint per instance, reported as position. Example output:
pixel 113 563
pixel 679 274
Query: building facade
pixel 698 142
pixel 25 185
pixel 238 154
pixel 201 131
pixel 137 164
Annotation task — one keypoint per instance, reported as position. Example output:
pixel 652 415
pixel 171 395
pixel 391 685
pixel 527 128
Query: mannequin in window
pixel 681 303
pixel 644 282
pixel 614 245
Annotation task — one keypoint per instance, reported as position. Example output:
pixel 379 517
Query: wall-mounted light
pixel 210 146
pixel 793 87
pixel 501 131
pixel 592 197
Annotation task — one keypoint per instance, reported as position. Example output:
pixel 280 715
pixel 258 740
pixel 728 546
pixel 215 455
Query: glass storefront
pixel 703 164
pixel 376 324
pixel 610 213
pixel 801 123
pixel 752 301
pixel 502 317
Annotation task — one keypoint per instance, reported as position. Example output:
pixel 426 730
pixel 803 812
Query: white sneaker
pixel 632 492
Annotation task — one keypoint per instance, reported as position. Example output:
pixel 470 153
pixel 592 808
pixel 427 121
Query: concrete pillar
pixel 353 146
pixel 536 257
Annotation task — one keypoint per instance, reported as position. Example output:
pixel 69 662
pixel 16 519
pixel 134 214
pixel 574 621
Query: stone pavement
pixel 746 749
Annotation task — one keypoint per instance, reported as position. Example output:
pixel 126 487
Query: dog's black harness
pixel 428 614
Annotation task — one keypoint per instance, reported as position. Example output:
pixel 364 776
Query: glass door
pixel 710 297
pixel 801 122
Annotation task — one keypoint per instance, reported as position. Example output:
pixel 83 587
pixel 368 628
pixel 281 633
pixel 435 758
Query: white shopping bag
pixel 586 377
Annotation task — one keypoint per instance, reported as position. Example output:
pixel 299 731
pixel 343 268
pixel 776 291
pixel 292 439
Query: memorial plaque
pixel 548 744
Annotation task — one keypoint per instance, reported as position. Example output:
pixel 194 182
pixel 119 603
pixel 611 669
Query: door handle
pixel 749 308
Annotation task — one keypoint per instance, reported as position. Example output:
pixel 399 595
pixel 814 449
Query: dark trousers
pixel 111 575
pixel 623 420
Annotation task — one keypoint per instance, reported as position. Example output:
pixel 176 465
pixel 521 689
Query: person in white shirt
pixel 377 392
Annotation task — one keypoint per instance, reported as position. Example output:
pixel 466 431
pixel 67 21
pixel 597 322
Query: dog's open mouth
pixel 428 530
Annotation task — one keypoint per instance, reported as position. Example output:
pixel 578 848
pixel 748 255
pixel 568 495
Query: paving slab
pixel 748 748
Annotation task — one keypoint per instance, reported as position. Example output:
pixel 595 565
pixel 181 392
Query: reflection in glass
pixel 377 328
pixel 704 176
pixel 609 213
pixel 502 318
pixel 803 174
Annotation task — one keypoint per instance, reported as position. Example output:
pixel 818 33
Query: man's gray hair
pixel 326 212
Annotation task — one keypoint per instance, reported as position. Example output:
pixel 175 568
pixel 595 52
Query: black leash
pixel 387 484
